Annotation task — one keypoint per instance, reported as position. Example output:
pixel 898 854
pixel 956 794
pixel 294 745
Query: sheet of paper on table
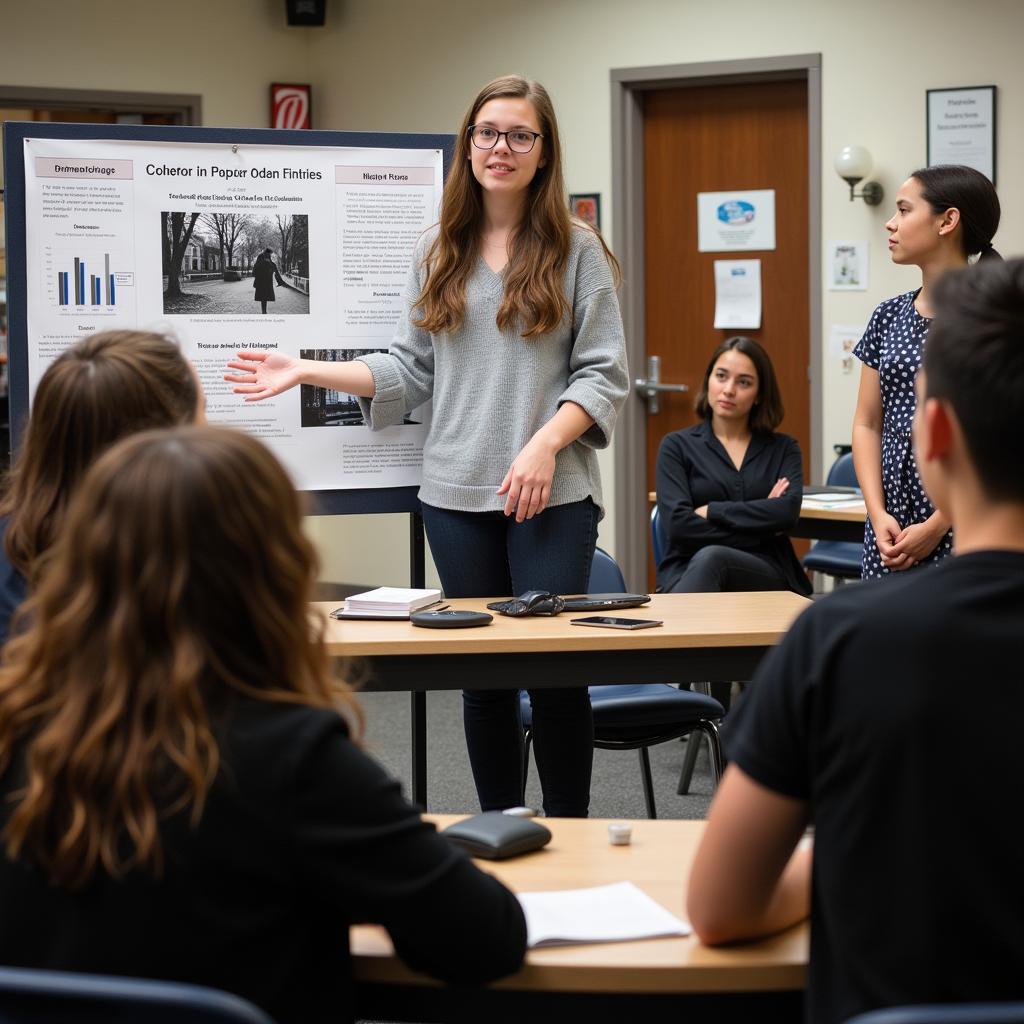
pixel 607 913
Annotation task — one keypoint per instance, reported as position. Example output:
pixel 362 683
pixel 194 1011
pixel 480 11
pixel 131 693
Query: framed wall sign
pixel 587 206
pixel 962 128
pixel 291 105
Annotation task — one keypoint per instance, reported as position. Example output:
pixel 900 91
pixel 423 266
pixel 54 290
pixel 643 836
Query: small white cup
pixel 620 834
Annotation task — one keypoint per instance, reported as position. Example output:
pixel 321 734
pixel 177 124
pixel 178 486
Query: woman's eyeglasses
pixel 520 140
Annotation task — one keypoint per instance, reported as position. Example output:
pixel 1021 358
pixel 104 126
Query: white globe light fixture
pixel 853 164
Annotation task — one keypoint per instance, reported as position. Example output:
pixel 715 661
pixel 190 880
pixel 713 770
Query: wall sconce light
pixel 853 164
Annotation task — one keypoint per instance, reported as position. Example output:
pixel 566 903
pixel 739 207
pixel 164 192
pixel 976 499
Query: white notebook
pixel 619 912
pixel 387 603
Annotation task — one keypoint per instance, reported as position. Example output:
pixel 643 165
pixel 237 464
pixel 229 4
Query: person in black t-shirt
pixel 914 886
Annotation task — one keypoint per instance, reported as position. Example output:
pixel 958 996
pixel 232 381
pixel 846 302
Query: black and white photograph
pixel 325 407
pixel 235 263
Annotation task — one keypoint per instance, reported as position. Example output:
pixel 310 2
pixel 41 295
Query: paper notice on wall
pixel 737 294
pixel 843 340
pixel 301 249
pixel 736 221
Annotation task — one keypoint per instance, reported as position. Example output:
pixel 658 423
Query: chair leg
pixel 527 739
pixel 645 774
pixel 692 750
pixel 710 729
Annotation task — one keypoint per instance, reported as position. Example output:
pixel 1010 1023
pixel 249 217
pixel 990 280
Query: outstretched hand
pixel 263 374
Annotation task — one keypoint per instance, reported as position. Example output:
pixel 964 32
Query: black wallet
pixel 496 836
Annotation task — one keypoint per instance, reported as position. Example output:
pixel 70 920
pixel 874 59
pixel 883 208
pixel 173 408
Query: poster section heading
pixel 304 250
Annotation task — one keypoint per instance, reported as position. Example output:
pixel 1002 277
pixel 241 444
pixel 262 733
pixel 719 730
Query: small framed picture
pixel 962 127
pixel 846 268
pixel 291 105
pixel 587 206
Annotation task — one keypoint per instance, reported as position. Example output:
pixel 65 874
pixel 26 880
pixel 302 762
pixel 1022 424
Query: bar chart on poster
pixel 228 241
pixel 79 277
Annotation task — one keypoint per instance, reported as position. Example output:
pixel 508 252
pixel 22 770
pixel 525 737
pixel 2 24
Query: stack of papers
pixel 608 913
pixel 831 499
pixel 387 603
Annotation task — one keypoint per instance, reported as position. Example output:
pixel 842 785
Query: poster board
pixel 130 226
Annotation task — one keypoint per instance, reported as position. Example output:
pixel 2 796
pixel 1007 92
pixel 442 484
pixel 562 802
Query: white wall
pixel 413 65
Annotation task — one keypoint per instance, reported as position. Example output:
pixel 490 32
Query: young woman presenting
pixel 512 328
pixel 943 215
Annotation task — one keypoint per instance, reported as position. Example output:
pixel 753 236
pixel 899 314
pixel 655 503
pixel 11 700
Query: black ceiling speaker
pixel 306 12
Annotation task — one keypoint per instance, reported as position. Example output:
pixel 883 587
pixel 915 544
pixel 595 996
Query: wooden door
pixel 714 139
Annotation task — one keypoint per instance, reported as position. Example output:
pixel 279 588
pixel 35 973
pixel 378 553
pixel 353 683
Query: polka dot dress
pixel 893 345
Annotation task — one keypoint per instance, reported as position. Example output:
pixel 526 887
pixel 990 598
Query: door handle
pixel 650 388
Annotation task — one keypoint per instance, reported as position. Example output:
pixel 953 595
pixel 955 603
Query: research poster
pixel 228 247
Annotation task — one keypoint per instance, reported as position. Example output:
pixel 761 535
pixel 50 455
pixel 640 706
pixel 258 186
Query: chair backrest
pixel 29 996
pixel 947 1013
pixel 605 574
pixel 842 473
pixel 656 544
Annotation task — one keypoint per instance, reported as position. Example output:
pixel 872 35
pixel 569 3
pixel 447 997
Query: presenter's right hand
pixel 263 374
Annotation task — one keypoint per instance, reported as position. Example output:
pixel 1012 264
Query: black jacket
pixel 302 835
pixel 264 273
pixel 694 469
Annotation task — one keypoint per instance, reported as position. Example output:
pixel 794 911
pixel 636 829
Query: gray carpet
pixel 616 791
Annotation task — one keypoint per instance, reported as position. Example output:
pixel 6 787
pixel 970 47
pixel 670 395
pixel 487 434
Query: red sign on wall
pixel 291 106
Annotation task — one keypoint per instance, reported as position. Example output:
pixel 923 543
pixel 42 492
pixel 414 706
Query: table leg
pixel 419 748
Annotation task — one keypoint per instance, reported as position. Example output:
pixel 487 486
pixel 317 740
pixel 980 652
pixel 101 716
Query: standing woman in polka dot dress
pixel 944 215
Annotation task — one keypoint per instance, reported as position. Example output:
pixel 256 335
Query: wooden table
pixel 624 981
pixel 705 637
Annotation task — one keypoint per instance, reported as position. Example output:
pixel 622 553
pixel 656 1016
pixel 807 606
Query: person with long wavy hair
pixel 104 387
pixel 512 328
pixel 182 793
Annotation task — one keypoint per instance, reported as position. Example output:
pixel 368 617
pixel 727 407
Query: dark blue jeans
pixel 485 554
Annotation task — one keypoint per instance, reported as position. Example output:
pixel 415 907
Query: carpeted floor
pixel 616 791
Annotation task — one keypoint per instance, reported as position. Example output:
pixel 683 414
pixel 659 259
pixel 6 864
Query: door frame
pixel 632 510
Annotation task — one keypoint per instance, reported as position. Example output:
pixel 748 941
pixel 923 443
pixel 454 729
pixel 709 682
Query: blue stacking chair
pixel 635 716
pixel 29 996
pixel 656 540
pixel 838 558
pixel 946 1013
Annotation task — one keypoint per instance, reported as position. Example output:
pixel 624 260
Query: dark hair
pixel 969 191
pixel 103 388
pixel 974 359
pixel 768 409
pixel 181 581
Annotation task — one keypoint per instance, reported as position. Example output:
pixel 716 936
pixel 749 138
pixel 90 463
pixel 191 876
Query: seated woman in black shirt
pixel 182 793
pixel 730 487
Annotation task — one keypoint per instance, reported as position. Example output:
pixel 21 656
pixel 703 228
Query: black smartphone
pixel 613 622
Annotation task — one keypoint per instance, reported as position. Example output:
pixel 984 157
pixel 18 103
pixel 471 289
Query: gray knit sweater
pixel 492 390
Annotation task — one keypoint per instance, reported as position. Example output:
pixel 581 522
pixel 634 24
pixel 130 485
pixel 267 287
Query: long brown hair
pixel 534 300
pixel 103 388
pixel 180 581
